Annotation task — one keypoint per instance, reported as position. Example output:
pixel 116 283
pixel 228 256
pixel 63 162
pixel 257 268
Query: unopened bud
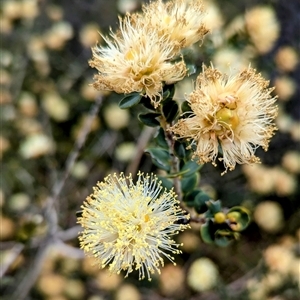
pixel 219 217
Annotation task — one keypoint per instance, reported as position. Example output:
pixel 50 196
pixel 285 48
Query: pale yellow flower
pixel 269 216
pixel 136 59
pixel 233 113
pixel 129 226
pixel 202 275
pixel 286 59
pixel 263 27
pixel 180 20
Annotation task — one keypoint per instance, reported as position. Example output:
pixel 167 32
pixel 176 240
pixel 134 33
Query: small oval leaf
pixel 214 206
pixel 170 109
pixel 189 183
pixel 179 149
pixel 200 202
pixel 206 232
pixel 223 237
pixel 160 157
pixel 185 107
pixel 149 119
pixel 130 100
pixel 160 139
pixel 190 168
pixel 168 91
pixel 167 183
pixel 147 103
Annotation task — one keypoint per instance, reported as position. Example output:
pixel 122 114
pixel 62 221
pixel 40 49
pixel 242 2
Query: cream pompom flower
pixel 263 27
pixel 180 20
pixel 136 59
pixel 128 226
pixel 232 113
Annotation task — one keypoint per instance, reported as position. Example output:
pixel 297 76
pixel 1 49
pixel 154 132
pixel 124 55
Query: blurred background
pixel 59 137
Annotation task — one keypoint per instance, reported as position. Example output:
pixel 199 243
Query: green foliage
pixel 218 234
pixel 160 139
pixel 213 207
pixel 167 183
pixel 146 102
pixel 179 150
pixel 170 109
pixel 188 183
pixel 185 107
pixel 200 202
pixel 190 167
pixel 168 91
pixel 130 100
pixel 222 228
pixel 149 119
pixel 160 157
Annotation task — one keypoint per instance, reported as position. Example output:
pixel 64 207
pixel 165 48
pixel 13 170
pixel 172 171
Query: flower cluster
pixel 234 113
pixel 143 54
pixel 129 225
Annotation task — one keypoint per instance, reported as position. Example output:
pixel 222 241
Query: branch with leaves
pixel 129 226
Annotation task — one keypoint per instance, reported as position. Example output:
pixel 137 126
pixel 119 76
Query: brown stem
pixel 174 159
pixel 197 219
pixel 51 216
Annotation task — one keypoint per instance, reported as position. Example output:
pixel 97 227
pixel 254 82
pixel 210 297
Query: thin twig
pixel 68 251
pixel 10 258
pixel 174 159
pixel 32 273
pixel 58 186
pixel 174 164
pixel 68 234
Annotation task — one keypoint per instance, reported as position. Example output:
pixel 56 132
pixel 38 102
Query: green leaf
pixel 189 183
pixel 130 100
pixel 179 149
pixel 167 183
pixel 206 232
pixel 147 103
pixel 160 157
pixel 166 94
pixel 214 206
pixel 190 168
pixel 160 139
pixel 223 237
pixel 149 119
pixel 185 107
pixel 200 202
pixel 190 197
pixel 168 91
pixel 170 109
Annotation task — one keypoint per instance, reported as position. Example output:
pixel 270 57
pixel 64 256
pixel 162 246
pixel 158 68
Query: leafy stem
pixel 175 162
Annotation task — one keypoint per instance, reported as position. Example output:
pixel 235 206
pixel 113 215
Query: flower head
pixel 180 20
pixel 263 27
pixel 129 226
pixel 136 59
pixel 233 113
